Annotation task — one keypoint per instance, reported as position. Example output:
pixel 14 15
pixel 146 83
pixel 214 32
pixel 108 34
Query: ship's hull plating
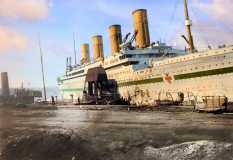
pixel 196 75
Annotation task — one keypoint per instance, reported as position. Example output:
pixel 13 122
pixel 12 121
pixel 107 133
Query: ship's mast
pixel 42 68
pixel 75 53
pixel 188 25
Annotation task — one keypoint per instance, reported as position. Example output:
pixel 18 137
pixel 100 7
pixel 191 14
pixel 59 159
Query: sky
pixel 21 21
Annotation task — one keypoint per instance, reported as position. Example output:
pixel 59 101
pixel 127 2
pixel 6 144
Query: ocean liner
pixel 146 71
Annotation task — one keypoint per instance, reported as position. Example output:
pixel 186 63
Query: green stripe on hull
pixel 181 76
pixel 73 90
pixel 160 79
pixel 145 81
pixel 204 73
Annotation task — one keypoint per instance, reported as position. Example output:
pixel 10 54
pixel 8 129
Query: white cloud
pixel 204 34
pixel 24 9
pixel 214 30
pixel 212 34
pixel 220 10
pixel 28 10
pixel 12 40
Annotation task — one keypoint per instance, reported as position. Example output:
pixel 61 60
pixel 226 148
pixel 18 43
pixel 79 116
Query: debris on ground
pixel 204 150
pixel 48 146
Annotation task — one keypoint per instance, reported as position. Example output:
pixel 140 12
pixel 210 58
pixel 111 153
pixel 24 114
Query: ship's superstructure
pixel 146 70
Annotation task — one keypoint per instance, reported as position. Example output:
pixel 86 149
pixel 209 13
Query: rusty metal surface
pixel 98 47
pixel 96 74
pixel 115 38
pixel 85 51
pixel 141 26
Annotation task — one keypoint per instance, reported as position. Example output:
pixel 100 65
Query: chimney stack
pixel 85 51
pixel 98 47
pixel 115 38
pixel 5 84
pixel 141 27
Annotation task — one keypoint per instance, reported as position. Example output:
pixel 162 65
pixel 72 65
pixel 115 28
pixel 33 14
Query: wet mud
pixel 74 134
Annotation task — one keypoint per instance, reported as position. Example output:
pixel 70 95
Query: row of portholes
pixel 181 71
pixel 188 58
pixel 197 68
pixel 202 67
pixel 201 87
pixel 122 76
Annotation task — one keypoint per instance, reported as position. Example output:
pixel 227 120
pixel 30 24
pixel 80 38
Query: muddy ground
pixel 74 134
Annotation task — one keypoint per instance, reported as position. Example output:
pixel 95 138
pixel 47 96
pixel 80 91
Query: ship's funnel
pixel 115 38
pixel 5 84
pixel 141 27
pixel 98 47
pixel 85 51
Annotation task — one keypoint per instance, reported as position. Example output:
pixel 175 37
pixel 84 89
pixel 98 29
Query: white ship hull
pixel 147 94
pixel 199 74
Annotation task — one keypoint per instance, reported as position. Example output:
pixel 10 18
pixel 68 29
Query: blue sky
pixel 56 20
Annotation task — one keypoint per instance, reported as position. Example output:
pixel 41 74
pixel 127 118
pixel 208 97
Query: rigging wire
pixel 199 29
pixel 172 18
pixel 227 28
